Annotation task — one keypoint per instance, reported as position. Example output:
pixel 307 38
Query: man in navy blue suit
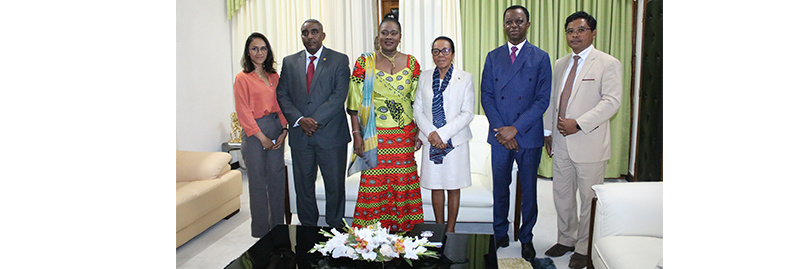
pixel 516 85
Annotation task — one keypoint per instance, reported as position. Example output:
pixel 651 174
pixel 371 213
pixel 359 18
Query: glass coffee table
pixel 287 246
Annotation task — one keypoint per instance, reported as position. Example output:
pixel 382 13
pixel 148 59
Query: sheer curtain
pixel 349 26
pixel 483 31
pixel 424 20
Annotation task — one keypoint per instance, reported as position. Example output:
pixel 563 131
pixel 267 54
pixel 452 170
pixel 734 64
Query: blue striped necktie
pixel 438 113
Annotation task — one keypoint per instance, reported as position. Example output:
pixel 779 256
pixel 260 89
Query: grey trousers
pixel 265 170
pixel 332 163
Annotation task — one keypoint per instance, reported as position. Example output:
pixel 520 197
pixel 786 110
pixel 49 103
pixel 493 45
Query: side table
pixel 227 147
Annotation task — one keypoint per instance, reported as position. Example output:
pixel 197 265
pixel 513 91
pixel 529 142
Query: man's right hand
pixel 309 125
pixel 548 145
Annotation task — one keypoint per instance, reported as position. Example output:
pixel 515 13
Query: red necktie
pixel 513 54
pixel 567 89
pixel 309 74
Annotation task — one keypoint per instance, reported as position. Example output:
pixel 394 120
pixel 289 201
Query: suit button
pixel 518 114
pixel 502 97
pixel 309 103
pixel 496 79
pixel 519 98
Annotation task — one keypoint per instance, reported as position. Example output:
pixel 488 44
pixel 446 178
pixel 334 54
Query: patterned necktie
pixel 567 89
pixel 513 54
pixel 309 74
pixel 439 114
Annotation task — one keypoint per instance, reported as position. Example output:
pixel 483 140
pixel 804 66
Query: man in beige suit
pixel 586 92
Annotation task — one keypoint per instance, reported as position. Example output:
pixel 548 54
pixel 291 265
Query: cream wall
pixel 204 76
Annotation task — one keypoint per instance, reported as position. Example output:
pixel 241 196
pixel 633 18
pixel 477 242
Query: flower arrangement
pixel 373 243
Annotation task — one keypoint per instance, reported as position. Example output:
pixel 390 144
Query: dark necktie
pixel 309 74
pixel 513 54
pixel 567 89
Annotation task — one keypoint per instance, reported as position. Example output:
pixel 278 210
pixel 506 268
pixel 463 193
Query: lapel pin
pixel 324 59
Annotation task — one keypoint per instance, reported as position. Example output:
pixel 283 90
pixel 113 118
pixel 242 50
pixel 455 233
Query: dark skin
pixel 515 27
pixel 388 39
pixel 312 36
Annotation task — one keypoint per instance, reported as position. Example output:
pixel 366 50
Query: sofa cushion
pixel 627 252
pixel 200 197
pixel 192 165
pixel 633 208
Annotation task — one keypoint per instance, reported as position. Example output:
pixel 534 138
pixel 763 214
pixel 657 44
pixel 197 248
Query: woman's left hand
pixel 280 140
pixel 418 143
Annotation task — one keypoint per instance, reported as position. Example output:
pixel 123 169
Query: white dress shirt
pixel 307 62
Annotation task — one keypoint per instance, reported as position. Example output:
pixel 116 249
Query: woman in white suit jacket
pixel 443 111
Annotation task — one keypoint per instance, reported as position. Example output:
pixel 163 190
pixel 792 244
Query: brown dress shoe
pixel 558 250
pixel 578 261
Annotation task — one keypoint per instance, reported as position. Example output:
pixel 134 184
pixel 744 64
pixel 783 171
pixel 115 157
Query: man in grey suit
pixel 312 90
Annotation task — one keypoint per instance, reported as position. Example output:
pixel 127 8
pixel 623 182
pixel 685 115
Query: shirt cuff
pixel 297 123
pixel 547 132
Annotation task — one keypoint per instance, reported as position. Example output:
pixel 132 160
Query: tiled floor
pixel 226 240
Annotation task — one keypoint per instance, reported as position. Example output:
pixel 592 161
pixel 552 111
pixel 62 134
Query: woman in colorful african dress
pixel 379 102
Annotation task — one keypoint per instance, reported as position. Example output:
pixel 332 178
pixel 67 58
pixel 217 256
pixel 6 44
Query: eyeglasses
pixel 255 49
pixel 444 51
pixel 576 31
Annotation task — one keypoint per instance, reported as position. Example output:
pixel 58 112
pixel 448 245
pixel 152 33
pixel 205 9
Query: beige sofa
pixel 207 191
pixel 476 201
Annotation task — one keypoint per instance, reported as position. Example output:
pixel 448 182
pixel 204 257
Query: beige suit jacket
pixel 595 98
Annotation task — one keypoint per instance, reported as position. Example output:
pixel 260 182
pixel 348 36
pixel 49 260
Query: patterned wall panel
pixel 649 145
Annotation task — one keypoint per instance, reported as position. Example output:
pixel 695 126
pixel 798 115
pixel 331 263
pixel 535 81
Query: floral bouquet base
pixel 373 244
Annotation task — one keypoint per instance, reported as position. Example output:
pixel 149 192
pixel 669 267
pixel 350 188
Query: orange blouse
pixel 254 99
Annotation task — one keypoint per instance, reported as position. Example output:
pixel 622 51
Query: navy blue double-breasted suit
pixel 516 94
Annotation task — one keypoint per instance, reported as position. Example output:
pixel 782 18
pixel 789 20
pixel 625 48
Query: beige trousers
pixel 569 178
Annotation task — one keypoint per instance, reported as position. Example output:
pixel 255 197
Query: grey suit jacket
pixel 325 103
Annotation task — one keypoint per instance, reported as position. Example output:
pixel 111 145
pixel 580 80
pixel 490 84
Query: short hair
pixel 450 42
pixel 526 12
pixel 592 23
pixel 391 17
pixel 321 28
pixel 246 61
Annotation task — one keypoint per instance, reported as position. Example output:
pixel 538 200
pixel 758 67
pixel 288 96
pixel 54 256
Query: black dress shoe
pixel 503 242
pixel 578 261
pixel 528 251
pixel 558 250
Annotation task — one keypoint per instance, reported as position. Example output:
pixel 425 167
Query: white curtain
pixel 349 26
pixel 423 21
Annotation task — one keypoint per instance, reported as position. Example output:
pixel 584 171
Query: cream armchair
pixel 628 228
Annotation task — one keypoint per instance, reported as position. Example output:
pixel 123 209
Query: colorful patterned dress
pixel 390 192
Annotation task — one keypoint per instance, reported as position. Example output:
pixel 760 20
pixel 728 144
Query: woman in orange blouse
pixel 265 131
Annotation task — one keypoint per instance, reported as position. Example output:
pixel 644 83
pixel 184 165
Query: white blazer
pixel 458 103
